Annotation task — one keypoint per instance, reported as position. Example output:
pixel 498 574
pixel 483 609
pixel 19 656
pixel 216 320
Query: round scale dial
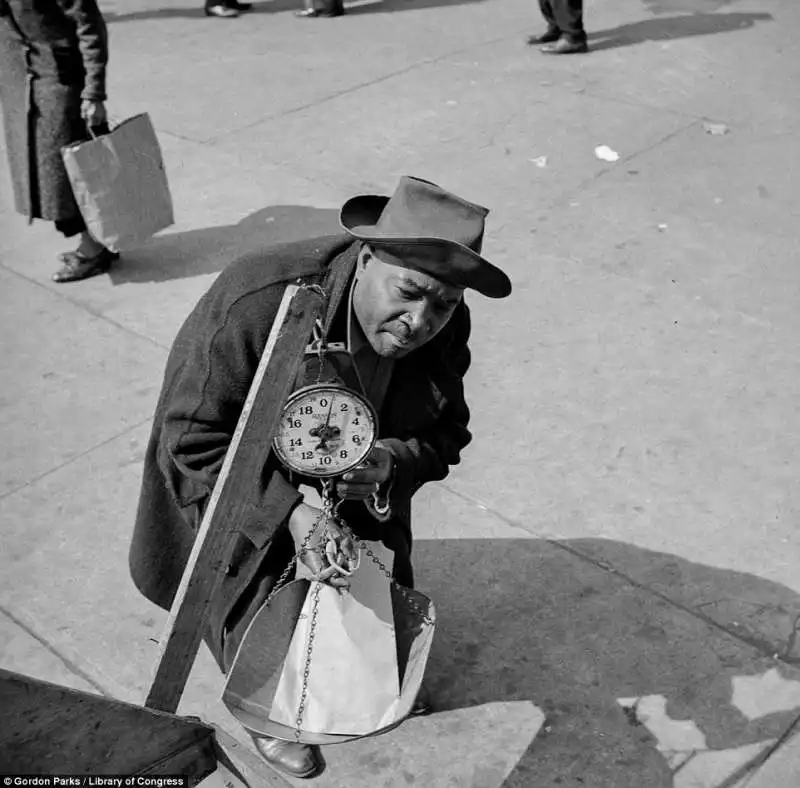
pixel 325 430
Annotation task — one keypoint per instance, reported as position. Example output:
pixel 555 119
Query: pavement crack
pixel 50 648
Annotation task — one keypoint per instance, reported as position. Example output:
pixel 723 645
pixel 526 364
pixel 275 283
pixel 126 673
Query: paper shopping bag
pixel 120 184
pixel 360 680
pixel 348 669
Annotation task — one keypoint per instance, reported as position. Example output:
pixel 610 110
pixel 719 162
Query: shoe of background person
pixel 565 47
pixel 312 13
pixel 297 760
pixel 221 11
pixel 237 6
pixel 330 9
pixel 76 267
pixel 548 37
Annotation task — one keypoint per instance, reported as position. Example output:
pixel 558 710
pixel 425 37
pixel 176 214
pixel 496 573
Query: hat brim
pixel 446 260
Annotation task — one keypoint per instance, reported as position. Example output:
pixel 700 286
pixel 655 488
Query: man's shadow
pixel 670 27
pixel 209 250
pixel 542 622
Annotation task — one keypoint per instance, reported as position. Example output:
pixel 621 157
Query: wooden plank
pixel 240 474
pixel 49 729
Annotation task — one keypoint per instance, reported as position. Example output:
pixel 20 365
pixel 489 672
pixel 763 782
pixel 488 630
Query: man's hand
pixel 301 524
pixel 367 478
pixel 93 113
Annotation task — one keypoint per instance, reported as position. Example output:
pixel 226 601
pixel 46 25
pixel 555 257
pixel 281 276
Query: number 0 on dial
pixel 325 430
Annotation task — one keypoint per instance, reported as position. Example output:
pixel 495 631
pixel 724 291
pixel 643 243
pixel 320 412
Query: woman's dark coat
pixel 53 55
pixel 209 371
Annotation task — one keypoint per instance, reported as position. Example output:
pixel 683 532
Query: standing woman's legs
pixel 90 258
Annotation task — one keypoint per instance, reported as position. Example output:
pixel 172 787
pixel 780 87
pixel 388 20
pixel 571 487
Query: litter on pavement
pixel 715 128
pixel 605 153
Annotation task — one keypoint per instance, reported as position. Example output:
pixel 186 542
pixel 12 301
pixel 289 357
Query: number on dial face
pixel 324 432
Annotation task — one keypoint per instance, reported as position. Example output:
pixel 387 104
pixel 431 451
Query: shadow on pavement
pixel 533 620
pixel 209 250
pixel 676 6
pixel 668 28
pixel 391 6
pixel 198 12
pixel 278 6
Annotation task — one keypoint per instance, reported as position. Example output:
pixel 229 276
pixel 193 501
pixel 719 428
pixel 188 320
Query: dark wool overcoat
pixel 210 368
pixel 53 54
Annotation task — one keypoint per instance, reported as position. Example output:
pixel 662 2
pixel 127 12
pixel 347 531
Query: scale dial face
pixel 325 430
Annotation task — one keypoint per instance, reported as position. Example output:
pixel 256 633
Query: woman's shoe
pixel 221 11
pixel 76 267
pixel 297 760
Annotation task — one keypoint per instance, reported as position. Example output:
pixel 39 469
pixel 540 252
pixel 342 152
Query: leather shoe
pixel 547 37
pixel 565 47
pixel 221 11
pixel 313 13
pixel 297 760
pixel 76 267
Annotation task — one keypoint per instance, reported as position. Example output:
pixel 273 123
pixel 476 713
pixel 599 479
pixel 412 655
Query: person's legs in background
pixel 568 18
pixel 89 259
pixel 553 33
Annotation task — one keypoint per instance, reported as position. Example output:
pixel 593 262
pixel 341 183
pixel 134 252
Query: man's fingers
pixel 352 491
pixel 313 560
pixel 375 473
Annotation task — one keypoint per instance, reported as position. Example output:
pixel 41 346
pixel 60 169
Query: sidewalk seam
pixel 51 649
pixel 743 776
pixel 753 643
pixel 84 307
pixel 73 459
pixel 355 88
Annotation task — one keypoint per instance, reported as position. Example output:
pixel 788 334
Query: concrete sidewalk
pixel 614 563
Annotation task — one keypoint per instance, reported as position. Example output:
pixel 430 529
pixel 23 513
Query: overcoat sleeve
pixel 209 373
pixel 427 454
pixel 93 44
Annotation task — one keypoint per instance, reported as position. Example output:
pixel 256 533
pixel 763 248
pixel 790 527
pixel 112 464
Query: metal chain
pixel 312 631
pixel 321 342
pixel 325 515
pixel 377 561
pixel 303 549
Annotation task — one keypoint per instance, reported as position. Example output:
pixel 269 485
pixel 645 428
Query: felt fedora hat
pixel 430 229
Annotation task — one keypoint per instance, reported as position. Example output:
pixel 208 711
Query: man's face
pixel 400 309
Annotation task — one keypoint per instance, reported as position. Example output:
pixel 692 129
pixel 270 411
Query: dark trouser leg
pixel 278 556
pixel 398 539
pixel 546 7
pixel 569 19
pixel 70 227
